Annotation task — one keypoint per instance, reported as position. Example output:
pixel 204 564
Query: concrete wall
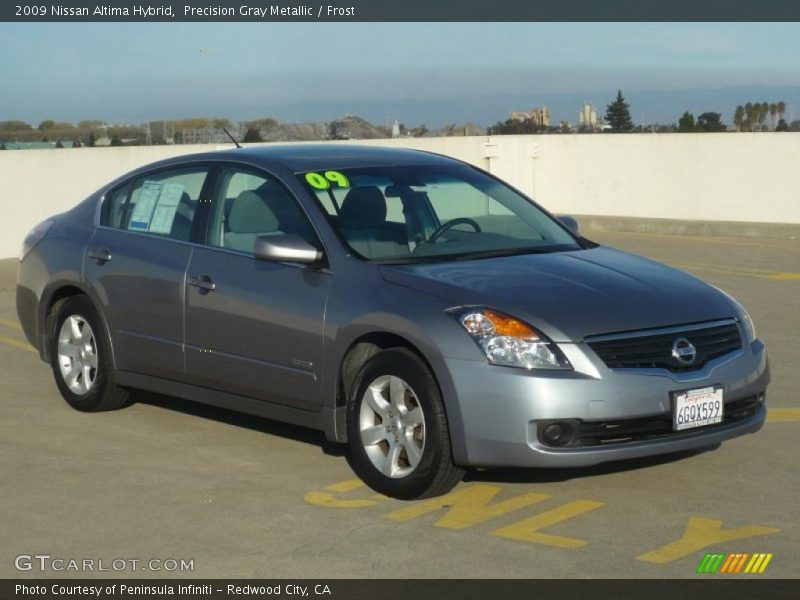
pixel 697 177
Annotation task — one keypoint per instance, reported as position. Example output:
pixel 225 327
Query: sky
pixel 131 72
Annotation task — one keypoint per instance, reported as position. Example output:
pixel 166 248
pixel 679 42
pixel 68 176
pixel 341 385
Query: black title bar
pixel 401 10
pixel 709 588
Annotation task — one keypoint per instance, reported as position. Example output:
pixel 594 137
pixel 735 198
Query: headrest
pixel 363 206
pixel 250 214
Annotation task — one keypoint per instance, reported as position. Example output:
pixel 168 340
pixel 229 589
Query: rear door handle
pixel 203 283
pixel 101 255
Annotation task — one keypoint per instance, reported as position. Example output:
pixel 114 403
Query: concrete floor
pixel 243 497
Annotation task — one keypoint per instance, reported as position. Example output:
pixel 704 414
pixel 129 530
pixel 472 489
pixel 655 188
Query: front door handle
pixel 203 283
pixel 101 255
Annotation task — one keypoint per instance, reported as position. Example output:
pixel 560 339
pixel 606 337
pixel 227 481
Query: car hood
pixel 571 295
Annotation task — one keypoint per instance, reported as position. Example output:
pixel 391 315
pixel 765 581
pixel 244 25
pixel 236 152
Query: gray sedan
pixel 407 304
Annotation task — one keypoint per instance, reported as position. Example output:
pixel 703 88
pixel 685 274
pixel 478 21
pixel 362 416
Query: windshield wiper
pixel 503 252
pixel 432 258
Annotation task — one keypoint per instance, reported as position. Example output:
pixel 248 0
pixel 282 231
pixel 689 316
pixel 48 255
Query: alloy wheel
pixel 77 354
pixel 392 426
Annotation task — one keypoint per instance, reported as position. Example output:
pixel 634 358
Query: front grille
pixel 603 433
pixel 654 351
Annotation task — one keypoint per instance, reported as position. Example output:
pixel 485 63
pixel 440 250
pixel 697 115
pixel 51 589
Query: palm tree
pixel 781 109
pixel 739 117
pixel 764 113
pixel 773 111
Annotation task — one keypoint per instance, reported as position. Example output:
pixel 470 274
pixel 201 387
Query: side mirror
pixel 285 248
pixel 570 222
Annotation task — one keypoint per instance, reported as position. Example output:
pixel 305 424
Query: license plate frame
pixel 686 398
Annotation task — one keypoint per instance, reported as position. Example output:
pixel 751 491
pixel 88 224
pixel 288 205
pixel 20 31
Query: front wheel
pixel 80 357
pixel 397 428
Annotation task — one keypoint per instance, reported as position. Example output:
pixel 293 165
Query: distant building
pixel 587 117
pixel 539 116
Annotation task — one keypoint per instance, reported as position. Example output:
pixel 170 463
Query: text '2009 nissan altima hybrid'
pixel 408 304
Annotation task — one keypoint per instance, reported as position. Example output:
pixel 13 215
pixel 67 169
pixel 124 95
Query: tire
pixel 81 363
pixel 393 448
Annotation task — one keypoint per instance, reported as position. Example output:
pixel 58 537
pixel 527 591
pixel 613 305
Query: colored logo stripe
pixel 710 563
pixel 758 563
pixel 734 563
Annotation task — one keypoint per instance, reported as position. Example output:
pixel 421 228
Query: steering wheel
pixel 450 224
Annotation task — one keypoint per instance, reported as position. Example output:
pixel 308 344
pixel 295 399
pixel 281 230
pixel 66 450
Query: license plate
pixel 696 408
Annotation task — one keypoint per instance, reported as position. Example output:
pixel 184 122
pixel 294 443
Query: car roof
pixel 311 156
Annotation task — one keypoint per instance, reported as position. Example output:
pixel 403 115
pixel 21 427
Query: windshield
pixel 439 212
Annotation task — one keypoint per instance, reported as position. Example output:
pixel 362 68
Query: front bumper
pixel 499 408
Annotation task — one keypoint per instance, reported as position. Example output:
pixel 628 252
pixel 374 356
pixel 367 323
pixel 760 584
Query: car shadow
pixel 317 438
pixel 553 475
pixel 229 417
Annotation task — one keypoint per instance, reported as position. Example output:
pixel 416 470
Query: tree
pixel 14 126
pixel 47 124
pixel 516 127
pixel 116 141
pixel 781 109
pixel 739 118
pixel 782 125
pixel 711 121
pixel 263 124
pixel 90 141
pixel 221 123
pixel 618 114
pixel 252 135
pixel 59 144
pixel 686 122
pixel 756 125
pixel 3 146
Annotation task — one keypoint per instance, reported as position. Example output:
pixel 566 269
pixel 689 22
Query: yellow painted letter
pixel 528 529
pixel 468 506
pixel 326 498
pixel 701 533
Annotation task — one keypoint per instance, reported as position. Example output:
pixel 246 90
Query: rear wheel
pixel 81 359
pixel 397 428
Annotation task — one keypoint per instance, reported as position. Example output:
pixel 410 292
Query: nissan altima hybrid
pixel 410 305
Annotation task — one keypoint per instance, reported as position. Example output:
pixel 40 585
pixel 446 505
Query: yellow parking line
pixel 783 414
pixel 706 240
pixel 743 271
pixel 16 343
pixel 12 324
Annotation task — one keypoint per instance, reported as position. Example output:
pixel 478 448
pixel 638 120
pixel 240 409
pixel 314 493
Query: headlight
pixel 35 236
pixel 510 342
pixel 748 327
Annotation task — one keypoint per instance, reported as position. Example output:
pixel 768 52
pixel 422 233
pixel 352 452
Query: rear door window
pixel 162 203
